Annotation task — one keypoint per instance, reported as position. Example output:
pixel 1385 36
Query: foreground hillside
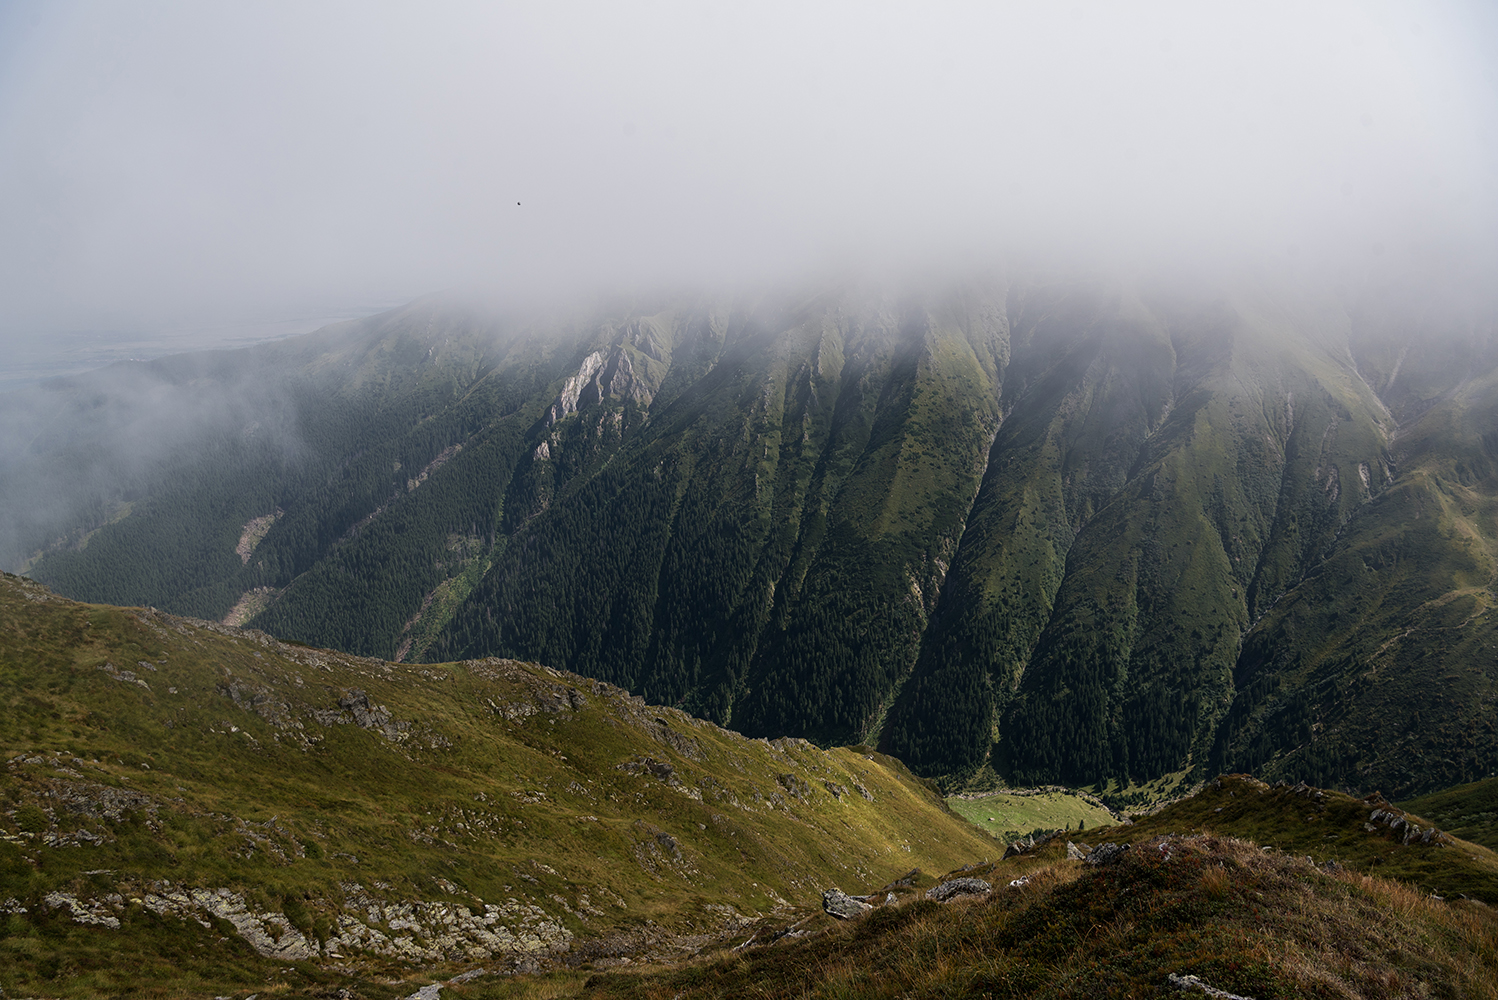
pixel 1251 890
pixel 1080 532
pixel 1171 916
pixel 192 807
pixel 1468 811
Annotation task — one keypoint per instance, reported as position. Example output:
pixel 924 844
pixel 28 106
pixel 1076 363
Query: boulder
pixel 1105 854
pixel 958 887
pixel 843 906
pixel 1191 984
pixel 794 786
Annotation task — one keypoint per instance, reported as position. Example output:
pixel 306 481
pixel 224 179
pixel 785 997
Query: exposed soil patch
pixel 254 533
pixel 250 604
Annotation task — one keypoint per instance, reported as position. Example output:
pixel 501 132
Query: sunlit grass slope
pixel 1010 816
pixel 360 814
pixel 1254 919
pixel 1331 826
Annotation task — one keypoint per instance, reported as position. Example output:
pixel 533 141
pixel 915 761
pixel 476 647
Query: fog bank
pixel 174 163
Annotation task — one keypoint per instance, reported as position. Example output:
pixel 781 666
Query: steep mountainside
pixel 220 806
pixel 1085 531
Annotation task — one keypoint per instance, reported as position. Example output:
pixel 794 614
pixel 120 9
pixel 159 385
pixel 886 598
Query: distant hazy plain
pixel 29 360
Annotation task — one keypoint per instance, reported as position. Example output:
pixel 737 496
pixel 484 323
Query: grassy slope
pixel 1293 820
pixel 242 788
pixel 1010 816
pixel 1467 811
pixel 1248 919
pixel 1225 499
pixel 1377 670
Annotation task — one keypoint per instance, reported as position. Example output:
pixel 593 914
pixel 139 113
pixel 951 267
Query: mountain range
pixel 1092 532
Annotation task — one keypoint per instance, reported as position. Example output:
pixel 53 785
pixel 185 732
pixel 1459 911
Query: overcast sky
pixel 170 163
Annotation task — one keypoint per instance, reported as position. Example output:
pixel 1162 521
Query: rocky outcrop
pixel 416 931
pixel 1028 845
pixel 611 375
pixel 98 912
pixel 839 904
pixel 958 887
pixel 904 881
pixel 368 715
pixel 269 933
pixel 1406 832
pixel 794 786
pixel 660 853
pixel 254 532
pixel 126 676
pixel 1191 984
pixel 649 765
pixel 1106 854
pixel 433 931
pixel 572 390
pixel 95 801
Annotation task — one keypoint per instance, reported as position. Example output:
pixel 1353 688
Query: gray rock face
pixel 416 931
pixel 843 906
pixel 271 934
pixel 124 676
pixel 354 705
pixel 1105 854
pixel 1191 984
pixel 366 715
pixel 958 887
pixel 649 765
pixel 794 786
pixel 96 801
pixel 95 912
pixel 1077 852
pixel 1410 833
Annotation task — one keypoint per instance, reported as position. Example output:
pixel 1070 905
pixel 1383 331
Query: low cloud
pixel 181 162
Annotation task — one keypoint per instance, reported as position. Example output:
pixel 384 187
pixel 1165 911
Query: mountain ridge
pixel 1076 530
